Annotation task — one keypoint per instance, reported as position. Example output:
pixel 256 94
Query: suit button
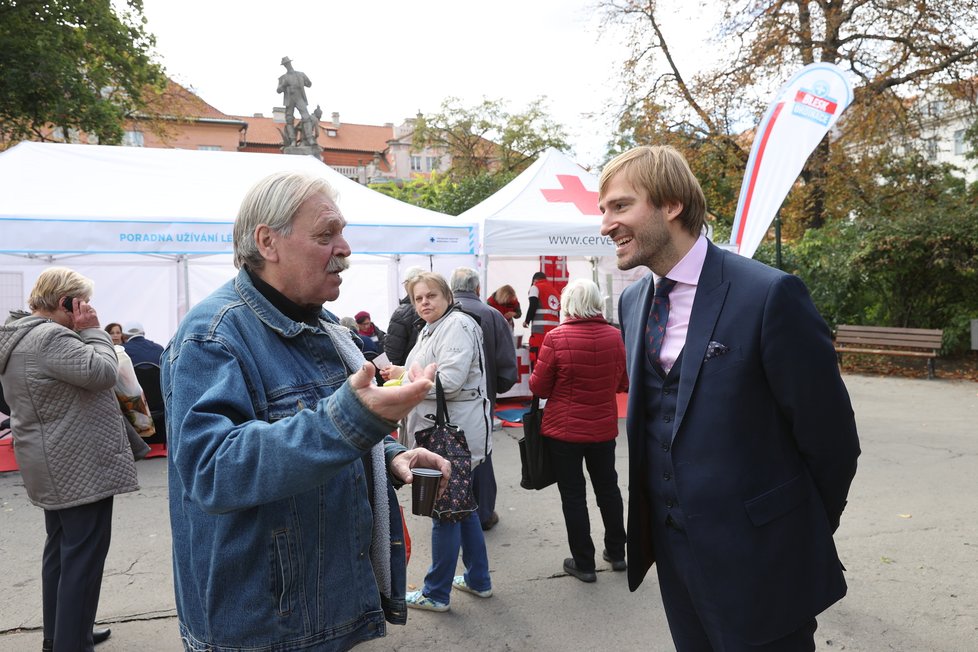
pixel 666 392
pixel 670 504
pixel 665 447
pixel 667 418
pixel 666 476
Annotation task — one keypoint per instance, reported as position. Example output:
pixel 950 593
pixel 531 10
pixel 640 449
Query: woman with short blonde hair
pixel 59 373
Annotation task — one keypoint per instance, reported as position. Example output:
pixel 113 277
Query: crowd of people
pixel 739 465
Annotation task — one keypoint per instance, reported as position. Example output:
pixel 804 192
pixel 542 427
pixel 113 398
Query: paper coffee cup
pixel 424 488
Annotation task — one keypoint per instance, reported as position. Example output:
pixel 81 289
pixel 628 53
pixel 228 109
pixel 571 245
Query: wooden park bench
pixel 883 340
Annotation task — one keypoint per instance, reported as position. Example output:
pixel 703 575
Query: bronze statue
pixel 293 85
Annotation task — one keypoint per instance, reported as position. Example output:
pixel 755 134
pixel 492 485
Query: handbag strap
pixel 441 415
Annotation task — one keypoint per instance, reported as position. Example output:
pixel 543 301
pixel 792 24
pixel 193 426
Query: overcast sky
pixel 382 61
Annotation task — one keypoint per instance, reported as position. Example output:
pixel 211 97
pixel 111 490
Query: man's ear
pixel 267 241
pixel 672 210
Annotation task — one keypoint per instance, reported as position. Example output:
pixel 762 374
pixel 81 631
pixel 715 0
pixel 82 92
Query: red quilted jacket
pixel 580 368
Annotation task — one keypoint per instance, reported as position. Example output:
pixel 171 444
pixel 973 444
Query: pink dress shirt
pixel 686 274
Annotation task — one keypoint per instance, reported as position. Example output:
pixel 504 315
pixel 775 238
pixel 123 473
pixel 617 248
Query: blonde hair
pixel 431 279
pixel 273 201
pixel 580 299
pixel 663 173
pixel 57 282
pixel 504 293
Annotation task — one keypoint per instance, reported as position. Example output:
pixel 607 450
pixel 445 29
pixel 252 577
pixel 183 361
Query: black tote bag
pixel 448 440
pixel 538 472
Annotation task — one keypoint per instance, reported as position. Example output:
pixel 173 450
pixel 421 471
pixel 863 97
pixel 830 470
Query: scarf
pixel 380 544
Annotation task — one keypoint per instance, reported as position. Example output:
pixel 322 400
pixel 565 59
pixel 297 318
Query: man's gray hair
pixel 410 273
pixel 465 279
pixel 273 201
pixel 581 299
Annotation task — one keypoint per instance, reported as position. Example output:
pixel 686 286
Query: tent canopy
pixel 153 228
pixel 92 199
pixel 550 209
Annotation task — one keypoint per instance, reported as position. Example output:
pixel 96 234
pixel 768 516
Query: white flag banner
pixel 799 117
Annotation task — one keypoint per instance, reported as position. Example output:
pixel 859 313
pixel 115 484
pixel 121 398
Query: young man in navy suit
pixel 742 440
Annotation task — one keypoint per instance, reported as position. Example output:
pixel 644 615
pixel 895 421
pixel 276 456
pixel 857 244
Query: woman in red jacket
pixel 580 368
pixel 504 300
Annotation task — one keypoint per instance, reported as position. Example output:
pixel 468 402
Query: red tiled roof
pixel 349 136
pixel 177 101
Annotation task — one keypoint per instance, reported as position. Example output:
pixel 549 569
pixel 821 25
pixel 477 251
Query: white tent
pixel 153 228
pixel 550 209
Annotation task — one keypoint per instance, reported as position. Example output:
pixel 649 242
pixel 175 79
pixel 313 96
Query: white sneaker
pixel 417 600
pixel 459 583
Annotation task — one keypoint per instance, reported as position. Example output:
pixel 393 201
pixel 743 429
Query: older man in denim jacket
pixel 286 530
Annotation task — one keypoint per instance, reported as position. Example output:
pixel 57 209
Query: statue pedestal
pixel 312 150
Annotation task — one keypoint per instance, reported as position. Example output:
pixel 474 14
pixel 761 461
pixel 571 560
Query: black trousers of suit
pixel 71 572
pixel 599 457
pixel 695 622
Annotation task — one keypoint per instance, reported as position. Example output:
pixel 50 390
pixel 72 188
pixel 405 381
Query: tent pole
pixel 484 276
pixel 183 287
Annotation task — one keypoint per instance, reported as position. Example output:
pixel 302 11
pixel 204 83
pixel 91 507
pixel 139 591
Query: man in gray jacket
pixel 500 353
pixel 402 329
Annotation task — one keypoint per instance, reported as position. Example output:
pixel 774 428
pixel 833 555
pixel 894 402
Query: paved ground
pixel 909 539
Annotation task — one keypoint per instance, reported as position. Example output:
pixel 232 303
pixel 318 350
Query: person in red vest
pixel 543 313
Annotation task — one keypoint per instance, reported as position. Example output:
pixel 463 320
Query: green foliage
pixel 446 195
pixel 908 257
pixel 488 138
pixel 73 64
pixel 488 147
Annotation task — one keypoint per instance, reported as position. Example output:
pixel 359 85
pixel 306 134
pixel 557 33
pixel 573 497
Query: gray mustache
pixel 338 264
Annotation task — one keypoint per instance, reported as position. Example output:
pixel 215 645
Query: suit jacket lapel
pixel 711 291
pixel 636 345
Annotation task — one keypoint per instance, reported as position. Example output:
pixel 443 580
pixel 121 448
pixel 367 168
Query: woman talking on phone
pixel 58 369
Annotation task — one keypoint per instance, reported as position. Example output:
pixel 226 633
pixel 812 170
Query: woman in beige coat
pixel 58 369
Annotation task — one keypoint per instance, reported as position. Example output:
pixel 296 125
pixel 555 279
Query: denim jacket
pixel 269 504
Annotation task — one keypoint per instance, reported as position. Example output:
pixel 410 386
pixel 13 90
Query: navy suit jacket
pixel 764 445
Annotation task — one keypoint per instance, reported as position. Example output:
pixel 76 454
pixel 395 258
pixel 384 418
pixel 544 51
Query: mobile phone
pixel 68 303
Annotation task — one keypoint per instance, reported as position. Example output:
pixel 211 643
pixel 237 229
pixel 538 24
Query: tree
pixel 74 65
pixel 894 50
pixel 447 194
pixel 909 256
pixel 486 138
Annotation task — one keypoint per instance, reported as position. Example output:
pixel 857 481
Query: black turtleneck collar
pixel 286 306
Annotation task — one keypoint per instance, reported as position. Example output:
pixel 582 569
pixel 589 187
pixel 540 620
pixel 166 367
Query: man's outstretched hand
pixel 393 403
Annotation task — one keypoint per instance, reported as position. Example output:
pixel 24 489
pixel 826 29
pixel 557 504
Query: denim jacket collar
pixel 269 314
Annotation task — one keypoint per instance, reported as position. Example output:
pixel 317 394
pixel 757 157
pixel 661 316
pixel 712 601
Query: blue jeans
pixel 446 539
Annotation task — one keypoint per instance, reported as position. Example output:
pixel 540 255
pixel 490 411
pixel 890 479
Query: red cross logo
pixel 521 369
pixel 572 190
